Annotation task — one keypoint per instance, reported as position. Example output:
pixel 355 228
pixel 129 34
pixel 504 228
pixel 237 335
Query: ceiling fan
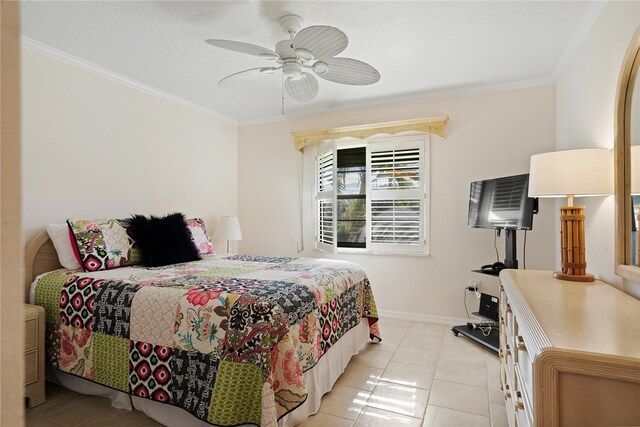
pixel 307 53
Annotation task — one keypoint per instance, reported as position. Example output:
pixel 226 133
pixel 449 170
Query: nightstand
pixel 34 355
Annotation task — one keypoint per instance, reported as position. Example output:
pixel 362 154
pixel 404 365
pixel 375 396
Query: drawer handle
pixel 520 344
pixel 507 393
pixel 507 350
pixel 508 308
pixel 519 402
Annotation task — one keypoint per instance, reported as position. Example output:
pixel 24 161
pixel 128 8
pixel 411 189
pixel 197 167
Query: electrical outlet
pixel 473 285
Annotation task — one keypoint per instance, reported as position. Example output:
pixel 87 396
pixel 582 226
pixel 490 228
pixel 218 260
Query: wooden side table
pixel 34 355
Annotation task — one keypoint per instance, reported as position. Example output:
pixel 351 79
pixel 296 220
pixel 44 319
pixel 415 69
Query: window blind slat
pixel 325 171
pixel 395 169
pixel 396 221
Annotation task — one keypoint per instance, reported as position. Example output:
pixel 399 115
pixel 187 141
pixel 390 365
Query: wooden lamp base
pixel 574 265
pixel 573 277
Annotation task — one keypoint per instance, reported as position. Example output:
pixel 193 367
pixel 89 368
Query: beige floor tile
pixel 75 410
pixel 492 359
pixel 324 420
pixel 437 416
pixel 415 356
pixel 499 415
pixel 344 402
pixel 408 375
pixel 462 343
pixel 422 342
pixel 373 355
pixel 390 342
pixel 360 376
pixel 372 417
pixel 461 397
pixel 401 399
pixel 462 373
pixel 40 421
pixel 493 377
pixel 52 400
pixel 57 390
pixel 428 329
pixel 107 420
pixel 140 418
pixel 468 355
pixel 496 395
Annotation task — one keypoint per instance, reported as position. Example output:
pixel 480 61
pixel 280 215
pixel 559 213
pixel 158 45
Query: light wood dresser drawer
pixel 34 355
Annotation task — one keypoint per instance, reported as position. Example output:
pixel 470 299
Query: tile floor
pixel 420 375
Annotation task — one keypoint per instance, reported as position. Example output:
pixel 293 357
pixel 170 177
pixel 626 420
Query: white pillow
pixel 59 235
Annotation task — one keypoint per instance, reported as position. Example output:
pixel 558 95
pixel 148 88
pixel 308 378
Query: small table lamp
pixel 572 173
pixel 228 228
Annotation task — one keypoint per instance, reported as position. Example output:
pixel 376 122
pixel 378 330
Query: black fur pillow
pixel 163 241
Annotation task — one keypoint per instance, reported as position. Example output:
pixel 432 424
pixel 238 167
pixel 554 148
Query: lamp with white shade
pixel 228 228
pixel 572 173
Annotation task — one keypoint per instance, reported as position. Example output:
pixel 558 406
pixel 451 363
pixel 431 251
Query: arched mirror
pixel 627 148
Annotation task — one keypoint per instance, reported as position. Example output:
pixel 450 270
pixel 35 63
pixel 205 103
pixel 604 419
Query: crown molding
pixel 579 35
pixel 52 52
pixel 403 99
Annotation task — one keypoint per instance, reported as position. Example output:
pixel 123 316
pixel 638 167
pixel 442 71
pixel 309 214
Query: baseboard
pixel 425 318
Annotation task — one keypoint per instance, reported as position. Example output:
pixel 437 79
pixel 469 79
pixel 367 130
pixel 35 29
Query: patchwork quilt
pixel 226 338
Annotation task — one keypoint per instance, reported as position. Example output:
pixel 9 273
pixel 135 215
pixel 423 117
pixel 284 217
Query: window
pixel 352 198
pixel 372 197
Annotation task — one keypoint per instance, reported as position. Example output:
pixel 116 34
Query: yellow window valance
pixel 433 125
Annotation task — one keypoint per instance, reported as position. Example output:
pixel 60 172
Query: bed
pixel 228 340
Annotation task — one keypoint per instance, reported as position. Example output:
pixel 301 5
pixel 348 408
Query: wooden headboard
pixel 40 257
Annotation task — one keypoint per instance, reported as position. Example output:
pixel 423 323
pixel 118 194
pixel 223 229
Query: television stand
pixel 488 272
pixel 491 341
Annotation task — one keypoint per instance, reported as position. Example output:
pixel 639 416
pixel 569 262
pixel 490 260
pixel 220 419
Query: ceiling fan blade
pixel 243 76
pixel 349 71
pixel 322 41
pixel 303 90
pixel 248 48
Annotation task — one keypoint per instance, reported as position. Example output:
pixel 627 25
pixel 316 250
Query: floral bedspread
pixel 226 338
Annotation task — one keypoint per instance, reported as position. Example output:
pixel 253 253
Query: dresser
pixel 34 355
pixel 569 352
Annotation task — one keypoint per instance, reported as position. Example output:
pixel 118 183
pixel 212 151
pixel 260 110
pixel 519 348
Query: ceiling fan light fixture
pixel 291 69
pixel 320 68
pixel 304 54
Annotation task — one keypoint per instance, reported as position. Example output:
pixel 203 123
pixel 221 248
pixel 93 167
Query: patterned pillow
pixel 104 243
pixel 199 236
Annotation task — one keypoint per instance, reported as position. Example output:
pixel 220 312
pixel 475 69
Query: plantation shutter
pixel 398 193
pixel 325 218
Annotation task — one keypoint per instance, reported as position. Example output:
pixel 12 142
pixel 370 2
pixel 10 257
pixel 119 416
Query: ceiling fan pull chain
pixel 282 94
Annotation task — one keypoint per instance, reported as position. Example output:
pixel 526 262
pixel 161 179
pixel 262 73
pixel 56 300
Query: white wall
pixel 488 135
pixel 585 96
pixel 95 148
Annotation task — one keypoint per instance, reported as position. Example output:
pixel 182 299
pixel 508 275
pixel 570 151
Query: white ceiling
pixel 420 48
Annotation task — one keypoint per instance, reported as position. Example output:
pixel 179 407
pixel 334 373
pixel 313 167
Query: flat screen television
pixel 502 203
